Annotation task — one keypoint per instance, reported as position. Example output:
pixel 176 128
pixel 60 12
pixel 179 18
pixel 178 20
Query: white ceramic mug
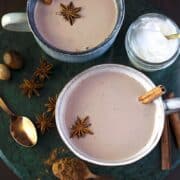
pixel 24 22
pixel 164 107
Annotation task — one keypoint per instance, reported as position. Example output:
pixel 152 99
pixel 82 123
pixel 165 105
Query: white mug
pixel 164 107
pixel 24 22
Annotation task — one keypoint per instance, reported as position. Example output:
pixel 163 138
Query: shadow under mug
pixel 24 22
pixel 163 107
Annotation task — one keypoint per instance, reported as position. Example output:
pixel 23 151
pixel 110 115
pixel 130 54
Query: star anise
pixel 43 71
pixel 81 127
pixel 70 12
pixel 44 122
pixel 30 87
pixel 51 105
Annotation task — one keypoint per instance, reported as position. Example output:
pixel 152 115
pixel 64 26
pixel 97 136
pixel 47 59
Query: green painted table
pixel 28 163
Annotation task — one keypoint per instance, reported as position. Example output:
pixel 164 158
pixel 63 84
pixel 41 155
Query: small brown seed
pixel 13 59
pixel 5 73
pixel 48 2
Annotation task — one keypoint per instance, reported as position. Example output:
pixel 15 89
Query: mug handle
pixel 15 22
pixel 172 105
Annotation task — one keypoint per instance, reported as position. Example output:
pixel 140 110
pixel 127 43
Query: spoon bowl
pixel 22 129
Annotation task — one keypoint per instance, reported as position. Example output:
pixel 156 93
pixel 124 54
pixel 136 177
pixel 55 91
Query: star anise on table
pixel 51 105
pixel 81 127
pixel 30 87
pixel 70 12
pixel 43 71
pixel 44 122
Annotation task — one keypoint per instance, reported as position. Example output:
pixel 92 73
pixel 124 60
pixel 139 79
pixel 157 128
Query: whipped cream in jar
pixel 147 47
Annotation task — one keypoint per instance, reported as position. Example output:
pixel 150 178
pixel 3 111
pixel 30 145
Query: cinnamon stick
pixel 151 95
pixel 175 124
pixel 165 147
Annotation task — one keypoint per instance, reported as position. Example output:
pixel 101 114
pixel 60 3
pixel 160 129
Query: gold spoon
pixel 173 36
pixel 75 168
pixel 22 129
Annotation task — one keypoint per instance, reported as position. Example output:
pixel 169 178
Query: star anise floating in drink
pixel 30 87
pixel 70 12
pixel 81 127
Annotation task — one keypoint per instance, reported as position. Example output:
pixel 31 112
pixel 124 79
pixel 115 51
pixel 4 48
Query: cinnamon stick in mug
pixel 175 123
pixel 153 94
pixel 165 147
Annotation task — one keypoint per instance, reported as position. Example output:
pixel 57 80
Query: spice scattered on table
pixel 69 169
pixel 153 94
pixel 70 12
pixel 54 155
pixel 66 168
pixel 81 127
pixel 5 73
pixel 42 72
pixel 51 104
pixel 13 59
pixel 30 87
pixel 44 122
pixel 74 169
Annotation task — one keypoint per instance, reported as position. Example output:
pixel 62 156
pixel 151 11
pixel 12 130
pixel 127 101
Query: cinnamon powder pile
pixel 66 168
pixel 69 169
pixel 54 155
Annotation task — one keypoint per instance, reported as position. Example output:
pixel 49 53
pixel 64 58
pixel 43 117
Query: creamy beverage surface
pixel 122 126
pixel 98 19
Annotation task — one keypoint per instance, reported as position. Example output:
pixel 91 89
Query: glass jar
pixel 138 61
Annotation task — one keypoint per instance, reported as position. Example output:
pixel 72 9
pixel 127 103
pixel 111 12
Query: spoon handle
pixel 5 108
pixel 173 36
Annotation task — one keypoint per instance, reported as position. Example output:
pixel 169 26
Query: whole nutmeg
pixel 13 59
pixel 5 73
pixel 48 2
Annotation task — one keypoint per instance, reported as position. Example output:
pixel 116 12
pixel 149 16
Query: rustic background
pixel 169 7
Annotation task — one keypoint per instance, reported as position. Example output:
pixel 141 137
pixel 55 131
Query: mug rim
pixel 153 15
pixel 152 144
pixel 36 33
